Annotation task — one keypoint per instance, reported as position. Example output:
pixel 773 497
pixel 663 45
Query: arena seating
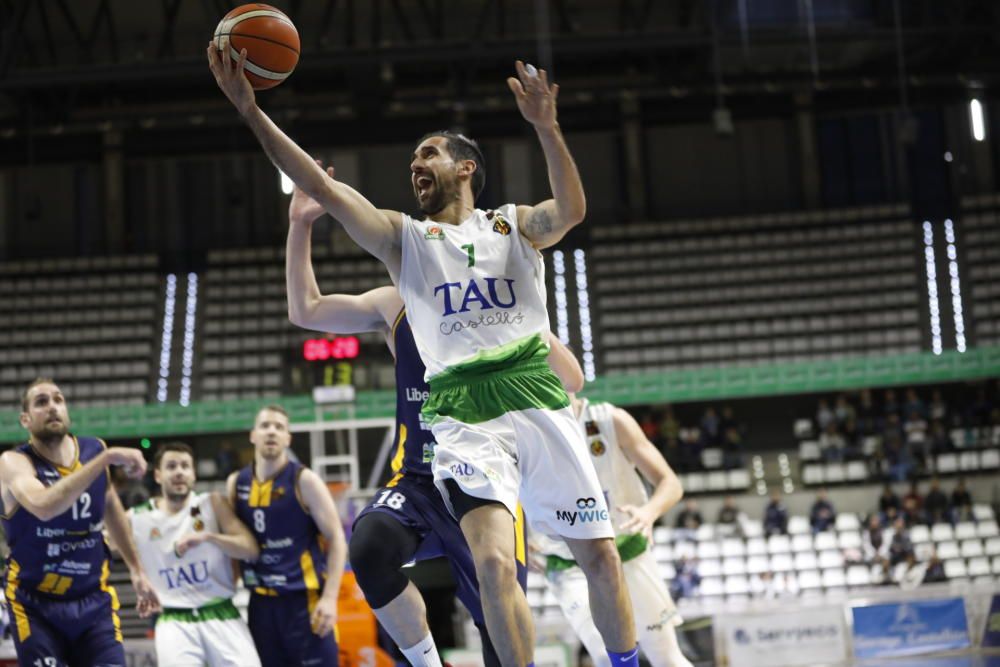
pixel 808 285
pixel 246 335
pixel 981 280
pixel 88 322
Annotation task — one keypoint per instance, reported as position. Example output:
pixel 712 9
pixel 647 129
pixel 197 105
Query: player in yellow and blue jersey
pixel 57 500
pixel 294 583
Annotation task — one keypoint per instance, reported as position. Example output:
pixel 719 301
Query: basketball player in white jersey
pixel 187 541
pixel 473 285
pixel 623 458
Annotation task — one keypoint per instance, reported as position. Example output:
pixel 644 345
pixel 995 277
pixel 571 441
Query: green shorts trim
pixel 506 379
pixel 223 610
pixel 629 547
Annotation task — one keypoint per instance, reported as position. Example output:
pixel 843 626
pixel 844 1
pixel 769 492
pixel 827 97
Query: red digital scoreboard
pixel 324 349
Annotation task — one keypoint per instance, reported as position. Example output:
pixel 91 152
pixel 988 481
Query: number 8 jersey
pixel 65 557
pixel 291 558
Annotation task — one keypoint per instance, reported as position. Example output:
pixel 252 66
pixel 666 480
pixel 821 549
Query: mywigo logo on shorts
pixel 586 512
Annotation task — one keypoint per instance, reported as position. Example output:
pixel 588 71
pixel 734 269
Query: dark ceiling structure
pixel 73 71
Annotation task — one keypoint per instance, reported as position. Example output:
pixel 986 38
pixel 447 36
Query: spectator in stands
pixel 710 431
pixel 690 449
pixel 670 428
pixel 887 500
pixel 775 516
pixel 938 409
pixel 867 416
pixel 901 545
pixel 650 428
pixel 687 579
pixel 824 415
pixel 852 440
pixel 909 573
pixel 979 411
pixel 822 515
pixel 732 439
pixel 895 451
pixel 844 411
pixel 961 502
pixel 832 443
pixel 939 441
pixel 936 504
pixel 935 570
pixel 874 547
pixel 730 518
pixel 913 407
pixel 689 520
pixel 913 504
pixel 890 406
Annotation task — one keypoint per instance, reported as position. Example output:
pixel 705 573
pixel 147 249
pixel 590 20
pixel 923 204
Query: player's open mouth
pixel 424 183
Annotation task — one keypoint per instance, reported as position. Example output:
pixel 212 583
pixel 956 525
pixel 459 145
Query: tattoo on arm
pixel 540 222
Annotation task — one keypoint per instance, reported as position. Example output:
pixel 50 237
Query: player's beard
pixel 441 195
pixel 50 432
pixel 178 498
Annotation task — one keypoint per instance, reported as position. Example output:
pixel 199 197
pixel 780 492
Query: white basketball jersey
pixel 620 481
pixel 470 288
pixel 619 478
pixel 203 575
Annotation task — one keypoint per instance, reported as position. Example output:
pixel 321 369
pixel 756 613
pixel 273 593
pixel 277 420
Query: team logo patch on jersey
pixel 198 523
pixel 597 448
pixel 501 226
pixel 278 492
pixel 435 233
pixel 593 428
pixel 155 534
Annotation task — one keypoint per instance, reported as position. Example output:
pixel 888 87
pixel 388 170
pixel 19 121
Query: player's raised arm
pixel 564 364
pixel 47 502
pixel 546 223
pixel 316 497
pixel 667 490
pixel 307 306
pixel 378 232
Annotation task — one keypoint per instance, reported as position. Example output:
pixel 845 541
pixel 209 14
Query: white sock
pixel 424 653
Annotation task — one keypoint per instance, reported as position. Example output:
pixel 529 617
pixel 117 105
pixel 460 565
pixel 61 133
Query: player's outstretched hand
pixel 188 542
pixel 230 77
pixel 131 460
pixel 324 616
pixel 640 520
pixel 536 99
pixel 146 602
pixel 303 209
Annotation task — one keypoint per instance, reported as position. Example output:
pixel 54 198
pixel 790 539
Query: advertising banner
pixel 789 639
pixel 910 628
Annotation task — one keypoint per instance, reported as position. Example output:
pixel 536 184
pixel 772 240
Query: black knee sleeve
pixel 380 546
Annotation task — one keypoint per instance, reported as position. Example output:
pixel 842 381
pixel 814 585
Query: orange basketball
pixel 271 41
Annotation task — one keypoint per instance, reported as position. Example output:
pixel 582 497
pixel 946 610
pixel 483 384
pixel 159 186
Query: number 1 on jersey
pixel 471 249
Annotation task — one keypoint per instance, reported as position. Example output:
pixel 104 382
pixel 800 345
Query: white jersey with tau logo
pixel 203 575
pixel 472 287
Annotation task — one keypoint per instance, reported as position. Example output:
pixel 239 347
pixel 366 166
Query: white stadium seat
pixel 979 567
pixel 955 569
pixel 965 530
pixel 942 532
pixel 834 578
pixel 946 550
